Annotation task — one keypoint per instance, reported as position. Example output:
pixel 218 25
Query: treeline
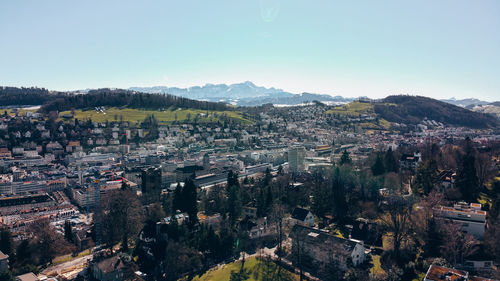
pixel 25 96
pixel 412 109
pixel 125 98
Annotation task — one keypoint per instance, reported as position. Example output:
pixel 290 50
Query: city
pixel 260 140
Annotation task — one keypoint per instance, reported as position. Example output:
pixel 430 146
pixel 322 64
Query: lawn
pixel 376 268
pixel 223 273
pixel 164 117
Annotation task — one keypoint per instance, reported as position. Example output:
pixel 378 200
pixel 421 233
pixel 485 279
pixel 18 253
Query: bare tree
pixel 396 221
pixel 457 245
pixel 485 168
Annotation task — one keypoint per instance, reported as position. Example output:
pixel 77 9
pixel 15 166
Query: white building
pixel 470 217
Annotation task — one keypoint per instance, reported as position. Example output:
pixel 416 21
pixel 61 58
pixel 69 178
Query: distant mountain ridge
pixel 243 94
pixel 469 103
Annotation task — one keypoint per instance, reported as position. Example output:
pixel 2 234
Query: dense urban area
pixel 118 185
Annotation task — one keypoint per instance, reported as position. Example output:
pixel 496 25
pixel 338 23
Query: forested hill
pixel 129 99
pixel 26 96
pixel 413 109
pixel 62 101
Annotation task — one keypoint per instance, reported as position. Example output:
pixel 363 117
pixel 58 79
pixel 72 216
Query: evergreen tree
pixel 427 177
pixel 234 203
pixel 339 196
pixel 467 181
pixel 68 231
pixel 345 158
pixel 190 199
pixel 378 166
pixel 5 241
pixel 390 163
pixel 177 201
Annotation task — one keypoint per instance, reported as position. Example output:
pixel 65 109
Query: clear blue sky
pixel 437 48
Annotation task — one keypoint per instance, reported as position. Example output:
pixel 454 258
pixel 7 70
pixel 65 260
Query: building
pixel 296 158
pixel 151 180
pixel 27 277
pixel 302 217
pixel 438 273
pixel 323 247
pixel 410 162
pixel 470 217
pixel 110 269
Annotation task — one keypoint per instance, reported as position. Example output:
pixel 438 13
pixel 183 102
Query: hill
pixel 126 98
pixel 13 96
pixel 413 109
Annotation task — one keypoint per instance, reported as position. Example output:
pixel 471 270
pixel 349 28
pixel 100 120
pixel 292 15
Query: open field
pixel 223 273
pixel 164 117
pixel 354 108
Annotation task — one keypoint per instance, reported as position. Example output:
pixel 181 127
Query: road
pixel 72 267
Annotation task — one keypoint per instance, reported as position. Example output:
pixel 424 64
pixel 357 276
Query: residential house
pixel 110 269
pixel 323 247
pixel 302 217
pixel 438 273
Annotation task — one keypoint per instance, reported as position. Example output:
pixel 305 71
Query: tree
pixel 390 163
pixel 68 231
pixel 378 166
pixel 48 243
pixel 491 239
pixel 122 217
pixel 485 168
pixel 396 221
pixel 234 203
pixel 467 181
pixel 340 205
pixel 5 241
pixel 177 202
pixel 180 259
pixel 345 158
pixel 427 177
pixel 190 200
pixel 457 245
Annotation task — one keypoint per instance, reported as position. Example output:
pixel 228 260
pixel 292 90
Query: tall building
pixel 296 156
pixel 151 180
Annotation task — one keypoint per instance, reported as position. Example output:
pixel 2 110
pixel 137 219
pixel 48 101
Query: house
pixel 27 277
pixel 259 228
pixel 250 212
pixel 323 247
pixel 302 217
pixel 438 273
pixel 110 269
pixel 367 231
pixel 470 217
pixel 410 162
pixel 4 261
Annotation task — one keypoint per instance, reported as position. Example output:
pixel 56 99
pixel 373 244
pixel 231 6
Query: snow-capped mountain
pixel 244 94
pixel 468 103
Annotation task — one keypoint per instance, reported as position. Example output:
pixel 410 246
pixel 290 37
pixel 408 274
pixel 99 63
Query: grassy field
pixel 354 108
pixel 164 117
pixel 376 268
pixel 223 273
pixel 357 108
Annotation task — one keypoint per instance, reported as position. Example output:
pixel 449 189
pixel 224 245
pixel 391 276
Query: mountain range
pixel 243 94
pixel 249 94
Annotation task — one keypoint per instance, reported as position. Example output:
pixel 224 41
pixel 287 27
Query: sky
pixel 435 48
